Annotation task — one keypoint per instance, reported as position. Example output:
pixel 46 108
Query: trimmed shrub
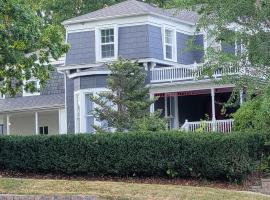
pixel 206 155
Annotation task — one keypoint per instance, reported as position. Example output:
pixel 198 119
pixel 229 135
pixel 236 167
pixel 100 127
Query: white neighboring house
pixel 41 112
pixel 156 38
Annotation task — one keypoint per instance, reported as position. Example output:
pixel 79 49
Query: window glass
pixel 168 44
pixel 107 43
pixel 89 107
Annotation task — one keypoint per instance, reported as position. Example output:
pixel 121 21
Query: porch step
pixel 264 188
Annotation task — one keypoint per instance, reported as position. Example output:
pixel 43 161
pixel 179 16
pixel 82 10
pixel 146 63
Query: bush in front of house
pixel 205 155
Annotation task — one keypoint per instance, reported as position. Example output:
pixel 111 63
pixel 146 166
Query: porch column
pixel 36 123
pixel 213 104
pixel 166 105
pixel 8 125
pixel 176 117
pixel 152 106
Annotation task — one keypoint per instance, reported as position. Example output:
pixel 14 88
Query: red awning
pixel 194 92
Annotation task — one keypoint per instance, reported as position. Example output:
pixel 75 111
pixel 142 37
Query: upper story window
pixel 37 86
pixel 169 44
pixel 107 44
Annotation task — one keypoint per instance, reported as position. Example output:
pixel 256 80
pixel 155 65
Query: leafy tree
pixel 245 22
pixel 254 114
pixel 150 123
pixel 128 98
pixel 55 11
pixel 26 44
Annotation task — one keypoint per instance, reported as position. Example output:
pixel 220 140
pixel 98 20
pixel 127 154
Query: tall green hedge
pixel 209 155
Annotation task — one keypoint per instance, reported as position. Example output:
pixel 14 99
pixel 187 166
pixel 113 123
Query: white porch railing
pixel 181 73
pixel 223 126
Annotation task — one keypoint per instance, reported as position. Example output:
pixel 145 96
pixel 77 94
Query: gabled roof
pixel 32 103
pixel 133 8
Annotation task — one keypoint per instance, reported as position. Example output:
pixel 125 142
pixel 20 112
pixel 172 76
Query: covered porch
pixel 196 109
pixel 39 122
pixel 33 115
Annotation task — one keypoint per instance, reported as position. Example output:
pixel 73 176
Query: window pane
pixel 107 51
pixel 46 130
pixel 88 104
pixel 168 52
pixel 41 130
pixel 168 36
pixel 89 124
pixel 103 33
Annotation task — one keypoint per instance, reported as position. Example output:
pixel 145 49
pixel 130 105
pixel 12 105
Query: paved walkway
pixel 264 188
pixel 23 197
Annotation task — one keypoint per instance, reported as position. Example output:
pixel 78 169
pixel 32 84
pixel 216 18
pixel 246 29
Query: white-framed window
pixel 106 44
pixel 169 44
pixel 37 86
pixel 89 114
pixel 84 107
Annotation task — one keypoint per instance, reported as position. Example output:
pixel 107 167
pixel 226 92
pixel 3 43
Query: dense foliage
pixel 244 23
pixel 212 156
pixel 128 98
pixel 254 114
pixel 26 45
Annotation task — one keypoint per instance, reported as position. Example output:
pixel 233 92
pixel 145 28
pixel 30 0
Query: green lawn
pixel 120 190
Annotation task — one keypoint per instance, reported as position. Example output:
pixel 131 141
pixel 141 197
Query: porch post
pixel 176 117
pixel 152 106
pixel 214 128
pixel 213 104
pixel 36 123
pixel 8 125
pixel 166 105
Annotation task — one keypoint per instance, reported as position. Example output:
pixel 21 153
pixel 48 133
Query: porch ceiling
pixel 32 103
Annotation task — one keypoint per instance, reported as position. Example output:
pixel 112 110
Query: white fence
pixel 223 126
pixel 179 73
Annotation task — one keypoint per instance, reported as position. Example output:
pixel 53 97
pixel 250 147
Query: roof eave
pixel 34 109
pixel 70 22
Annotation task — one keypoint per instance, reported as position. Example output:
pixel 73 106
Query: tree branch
pixel 258 5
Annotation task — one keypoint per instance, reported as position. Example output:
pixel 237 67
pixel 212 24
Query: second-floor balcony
pixel 182 73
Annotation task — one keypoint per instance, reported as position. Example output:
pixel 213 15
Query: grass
pixel 120 190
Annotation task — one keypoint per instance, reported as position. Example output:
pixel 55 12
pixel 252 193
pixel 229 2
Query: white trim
pixel 132 21
pixel 8 125
pixel 119 17
pixel 36 124
pixel 98 43
pixel 181 87
pixel 81 95
pixel 88 73
pixel 154 60
pixel 213 104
